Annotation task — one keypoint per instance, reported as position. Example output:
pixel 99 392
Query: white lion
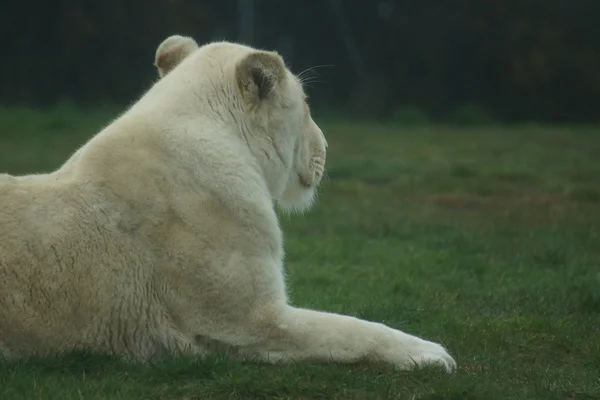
pixel 160 236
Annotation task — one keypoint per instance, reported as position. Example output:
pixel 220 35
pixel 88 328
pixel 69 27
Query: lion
pixel 160 235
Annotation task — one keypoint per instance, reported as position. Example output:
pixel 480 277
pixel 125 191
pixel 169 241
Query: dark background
pixel 510 60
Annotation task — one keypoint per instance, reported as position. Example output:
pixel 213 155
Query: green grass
pixel 485 239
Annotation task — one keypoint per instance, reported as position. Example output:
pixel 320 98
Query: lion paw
pixel 426 353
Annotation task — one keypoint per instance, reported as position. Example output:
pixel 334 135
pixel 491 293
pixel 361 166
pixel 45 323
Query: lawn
pixel 484 239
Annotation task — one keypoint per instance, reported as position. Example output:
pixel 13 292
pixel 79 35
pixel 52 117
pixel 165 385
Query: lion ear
pixel 172 51
pixel 259 73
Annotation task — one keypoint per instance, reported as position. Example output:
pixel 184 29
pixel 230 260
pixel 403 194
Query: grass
pixel 485 239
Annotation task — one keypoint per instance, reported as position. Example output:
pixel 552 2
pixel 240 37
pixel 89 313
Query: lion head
pixel 264 103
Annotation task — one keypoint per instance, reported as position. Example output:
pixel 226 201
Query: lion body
pixel 160 235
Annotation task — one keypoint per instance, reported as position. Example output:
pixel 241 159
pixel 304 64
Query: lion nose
pixel 322 137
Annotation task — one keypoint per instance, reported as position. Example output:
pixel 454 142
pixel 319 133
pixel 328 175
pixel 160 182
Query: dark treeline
pixel 519 59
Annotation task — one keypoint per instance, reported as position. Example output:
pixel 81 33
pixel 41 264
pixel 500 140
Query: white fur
pixel 160 235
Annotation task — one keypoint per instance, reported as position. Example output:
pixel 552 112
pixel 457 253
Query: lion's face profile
pixel 308 164
pixel 268 104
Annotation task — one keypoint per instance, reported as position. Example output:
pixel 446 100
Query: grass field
pixel 484 239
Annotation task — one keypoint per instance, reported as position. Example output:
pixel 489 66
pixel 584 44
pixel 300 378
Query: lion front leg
pixel 298 334
pixel 242 308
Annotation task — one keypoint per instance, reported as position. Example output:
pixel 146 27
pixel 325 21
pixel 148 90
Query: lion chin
pixel 160 236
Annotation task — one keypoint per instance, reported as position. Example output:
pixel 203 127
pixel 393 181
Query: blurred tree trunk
pixel 246 20
pixel 369 95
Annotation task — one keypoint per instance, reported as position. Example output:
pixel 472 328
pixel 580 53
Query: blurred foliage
pixel 521 60
pixel 471 114
pixel 411 116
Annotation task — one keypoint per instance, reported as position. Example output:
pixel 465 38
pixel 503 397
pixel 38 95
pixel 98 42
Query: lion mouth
pixel 308 183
